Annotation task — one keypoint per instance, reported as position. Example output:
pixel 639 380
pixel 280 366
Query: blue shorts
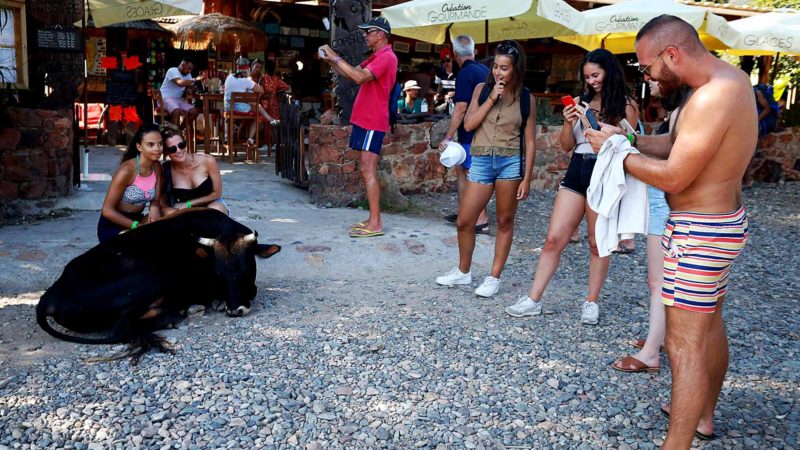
pixel 658 211
pixel 468 161
pixel 488 169
pixel 369 140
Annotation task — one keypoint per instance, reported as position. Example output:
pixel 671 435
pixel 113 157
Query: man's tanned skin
pixel 701 172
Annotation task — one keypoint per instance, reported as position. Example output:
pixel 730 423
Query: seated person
pixel 410 103
pixel 176 80
pixel 135 186
pixel 190 179
pixel 239 83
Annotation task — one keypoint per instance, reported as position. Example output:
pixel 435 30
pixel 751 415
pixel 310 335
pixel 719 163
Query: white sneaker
pixel 454 277
pixel 489 287
pixel 525 306
pixel 590 313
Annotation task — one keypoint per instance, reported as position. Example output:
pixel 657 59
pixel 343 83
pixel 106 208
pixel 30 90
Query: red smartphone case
pixel 567 101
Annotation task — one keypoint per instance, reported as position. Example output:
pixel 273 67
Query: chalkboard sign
pixel 59 39
pixel 121 88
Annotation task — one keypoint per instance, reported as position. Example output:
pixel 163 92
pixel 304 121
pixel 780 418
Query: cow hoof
pixel 239 312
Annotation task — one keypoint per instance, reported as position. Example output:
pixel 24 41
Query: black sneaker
pixel 451 218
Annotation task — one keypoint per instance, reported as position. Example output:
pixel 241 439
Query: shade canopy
pixel 762 34
pixel 614 27
pixel 108 12
pixel 432 20
pixel 196 33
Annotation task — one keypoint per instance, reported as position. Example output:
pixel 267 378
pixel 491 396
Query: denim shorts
pixel 658 211
pixel 488 169
pixel 579 173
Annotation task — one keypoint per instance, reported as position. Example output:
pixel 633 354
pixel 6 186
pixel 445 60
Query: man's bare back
pixel 716 138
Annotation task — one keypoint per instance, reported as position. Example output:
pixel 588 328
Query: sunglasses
pixel 507 49
pixel 645 70
pixel 370 31
pixel 174 148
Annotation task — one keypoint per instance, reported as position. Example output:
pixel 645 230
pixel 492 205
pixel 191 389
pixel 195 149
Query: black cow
pixel 145 279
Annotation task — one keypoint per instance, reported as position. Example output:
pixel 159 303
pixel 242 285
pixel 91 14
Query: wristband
pixel 134 224
pixel 632 138
pixel 188 203
pixel 337 59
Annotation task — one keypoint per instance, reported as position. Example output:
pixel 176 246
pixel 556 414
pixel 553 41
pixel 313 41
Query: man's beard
pixel 668 81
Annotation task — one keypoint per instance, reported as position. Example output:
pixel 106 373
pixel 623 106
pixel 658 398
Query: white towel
pixel 619 199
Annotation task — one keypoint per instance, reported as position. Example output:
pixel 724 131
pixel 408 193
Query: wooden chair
pixel 232 115
pixel 158 106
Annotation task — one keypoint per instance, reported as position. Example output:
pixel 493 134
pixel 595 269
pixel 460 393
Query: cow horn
pixel 250 238
pixel 206 241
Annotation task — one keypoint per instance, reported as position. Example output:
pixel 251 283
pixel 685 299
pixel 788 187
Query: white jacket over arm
pixel 619 199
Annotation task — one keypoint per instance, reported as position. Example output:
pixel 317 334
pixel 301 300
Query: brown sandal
pixel 639 343
pixel 629 364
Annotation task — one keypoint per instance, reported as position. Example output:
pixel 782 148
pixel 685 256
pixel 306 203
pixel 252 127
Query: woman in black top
pixel 190 179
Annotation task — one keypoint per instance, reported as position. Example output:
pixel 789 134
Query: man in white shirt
pixel 239 83
pixel 175 83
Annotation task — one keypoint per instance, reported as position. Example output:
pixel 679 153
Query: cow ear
pixel 201 252
pixel 267 250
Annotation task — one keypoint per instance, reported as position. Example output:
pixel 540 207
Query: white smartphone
pixel 626 126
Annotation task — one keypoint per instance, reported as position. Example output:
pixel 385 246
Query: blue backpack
pixel 394 96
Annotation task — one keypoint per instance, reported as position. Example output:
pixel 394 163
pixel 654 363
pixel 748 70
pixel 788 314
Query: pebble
pixel 403 363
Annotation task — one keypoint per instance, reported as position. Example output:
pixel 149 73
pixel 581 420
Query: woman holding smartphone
pixel 605 96
pixel 502 162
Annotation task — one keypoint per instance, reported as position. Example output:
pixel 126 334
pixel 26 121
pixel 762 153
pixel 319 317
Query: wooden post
pixel 346 39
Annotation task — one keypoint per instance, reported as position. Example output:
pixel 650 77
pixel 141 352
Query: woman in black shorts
pixel 604 92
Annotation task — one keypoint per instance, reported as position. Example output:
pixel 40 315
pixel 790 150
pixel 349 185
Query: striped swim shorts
pixel 699 250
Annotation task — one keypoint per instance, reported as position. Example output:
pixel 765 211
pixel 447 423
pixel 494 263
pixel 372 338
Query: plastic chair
pixel 232 115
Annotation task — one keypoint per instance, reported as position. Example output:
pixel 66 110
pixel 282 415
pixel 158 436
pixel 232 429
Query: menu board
pixel 58 39
pixel 121 88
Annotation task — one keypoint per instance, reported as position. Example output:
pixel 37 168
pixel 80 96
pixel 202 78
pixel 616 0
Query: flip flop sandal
pixel 701 436
pixel 359 225
pixel 639 343
pixel 629 364
pixel 622 250
pixel 482 228
pixel 363 232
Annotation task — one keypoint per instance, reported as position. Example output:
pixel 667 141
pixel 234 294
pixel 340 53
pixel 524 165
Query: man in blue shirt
pixel 471 74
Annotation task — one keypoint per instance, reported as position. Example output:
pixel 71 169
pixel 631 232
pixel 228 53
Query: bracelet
pixel 134 224
pixel 188 203
pixel 632 139
pixel 337 59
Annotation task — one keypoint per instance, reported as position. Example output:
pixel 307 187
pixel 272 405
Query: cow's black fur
pixel 143 280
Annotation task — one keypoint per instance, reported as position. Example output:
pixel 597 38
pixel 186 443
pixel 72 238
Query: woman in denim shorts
pixel 648 359
pixel 497 164
pixel 604 92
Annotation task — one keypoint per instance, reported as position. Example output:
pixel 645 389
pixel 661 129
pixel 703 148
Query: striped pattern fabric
pixel 699 250
pixel 368 140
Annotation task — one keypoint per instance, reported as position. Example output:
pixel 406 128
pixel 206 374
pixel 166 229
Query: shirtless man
pixel 700 167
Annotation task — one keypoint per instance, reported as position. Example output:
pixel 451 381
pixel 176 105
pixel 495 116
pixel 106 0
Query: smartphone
pixel 567 100
pixel 626 126
pixel 592 120
pixel 321 53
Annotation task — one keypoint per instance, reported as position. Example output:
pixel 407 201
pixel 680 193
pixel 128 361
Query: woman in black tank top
pixel 190 180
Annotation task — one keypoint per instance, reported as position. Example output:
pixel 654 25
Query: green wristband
pixel 134 224
pixel 632 138
pixel 188 203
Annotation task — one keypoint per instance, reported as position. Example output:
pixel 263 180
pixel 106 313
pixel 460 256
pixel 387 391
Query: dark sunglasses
pixel 174 148
pixel 507 49
pixel 447 60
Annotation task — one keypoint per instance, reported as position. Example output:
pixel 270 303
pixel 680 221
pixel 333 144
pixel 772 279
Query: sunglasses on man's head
pixel 174 148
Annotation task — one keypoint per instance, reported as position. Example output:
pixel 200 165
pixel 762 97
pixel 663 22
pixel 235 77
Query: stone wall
pixel 778 157
pixel 36 154
pixel 409 163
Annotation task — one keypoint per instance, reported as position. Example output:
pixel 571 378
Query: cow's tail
pixel 41 318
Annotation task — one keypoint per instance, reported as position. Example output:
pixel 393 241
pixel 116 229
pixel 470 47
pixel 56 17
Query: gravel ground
pixel 401 363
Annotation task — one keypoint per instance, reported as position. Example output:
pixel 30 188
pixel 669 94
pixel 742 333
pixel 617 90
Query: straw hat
pixel 453 154
pixel 410 84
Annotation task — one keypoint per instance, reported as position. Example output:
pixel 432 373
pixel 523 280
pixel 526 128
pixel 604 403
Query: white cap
pixel 453 154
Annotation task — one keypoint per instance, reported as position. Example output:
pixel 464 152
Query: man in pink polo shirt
pixel 370 117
